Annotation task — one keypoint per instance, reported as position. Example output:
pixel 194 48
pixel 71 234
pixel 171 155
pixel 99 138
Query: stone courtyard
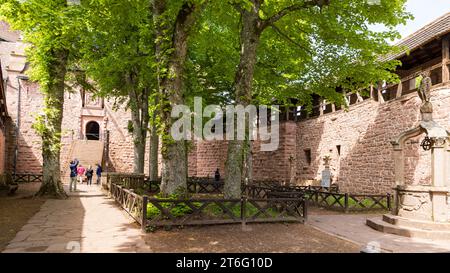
pixel 89 221
pixel 367 172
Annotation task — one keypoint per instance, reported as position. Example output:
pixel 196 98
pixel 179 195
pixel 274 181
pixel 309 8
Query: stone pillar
pixel 399 168
pixel 447 169
pixel 439 201
pixel 439 180
pixel 445 59
pixel 438 163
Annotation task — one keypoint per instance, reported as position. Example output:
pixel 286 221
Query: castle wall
pixel 364 132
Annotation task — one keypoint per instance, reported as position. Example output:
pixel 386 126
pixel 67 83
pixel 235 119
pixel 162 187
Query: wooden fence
pixel 340 201
pixel 153 212
pixel 127 180
pixel 225 211
pixel 134 204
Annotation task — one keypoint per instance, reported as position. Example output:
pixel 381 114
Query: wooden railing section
pixel 27 177
pixel 226 211
pixel 127 180
pixel 154 212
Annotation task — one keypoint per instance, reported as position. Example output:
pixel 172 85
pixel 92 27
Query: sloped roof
pixel 3 107
pixel 7 34
pixel 435 29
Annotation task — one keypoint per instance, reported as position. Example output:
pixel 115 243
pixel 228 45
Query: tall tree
pixel 173 20
pixel 118 58
pixel 312 27
pixel 50 29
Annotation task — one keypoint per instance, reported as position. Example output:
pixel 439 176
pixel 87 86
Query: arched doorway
pixel 92 130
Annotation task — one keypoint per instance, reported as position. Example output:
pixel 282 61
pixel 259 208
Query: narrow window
pixel 308 156
pixel 338 148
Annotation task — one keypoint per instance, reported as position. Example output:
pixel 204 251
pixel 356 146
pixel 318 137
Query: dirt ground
pixel 16 210
pixel 266 238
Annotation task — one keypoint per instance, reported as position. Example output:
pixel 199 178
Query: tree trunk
pixel 140 127
pixel 171 85
pixel 50 129
pixel 252 27
pixel 250 37
pixel 140 119
pixel 139 139
pixel 153 158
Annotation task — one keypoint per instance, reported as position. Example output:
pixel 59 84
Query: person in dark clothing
pixel 89 175
pixel 217 175
pixel 73 174
pixel 99 174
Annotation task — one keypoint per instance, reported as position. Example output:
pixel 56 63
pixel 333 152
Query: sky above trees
pixel 424 11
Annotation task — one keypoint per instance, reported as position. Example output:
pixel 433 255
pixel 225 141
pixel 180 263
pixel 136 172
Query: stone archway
pixel 92 130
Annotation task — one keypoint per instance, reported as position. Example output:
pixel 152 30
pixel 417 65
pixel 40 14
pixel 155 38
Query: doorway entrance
pixel 92 130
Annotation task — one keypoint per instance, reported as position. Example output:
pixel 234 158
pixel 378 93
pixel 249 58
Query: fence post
pixel 144 213
pixel 243 209
pixel 346 203
pixel 305 210
pixel 389 201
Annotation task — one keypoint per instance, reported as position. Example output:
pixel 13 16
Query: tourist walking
pixel 217 175
pixel 80 171
pixel 89 175
pixel 99 174
pixel 73 174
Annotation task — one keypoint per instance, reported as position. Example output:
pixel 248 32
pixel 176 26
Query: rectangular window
pixel 308 157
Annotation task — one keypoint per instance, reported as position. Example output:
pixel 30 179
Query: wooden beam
pixel 359 98
pixel 380 95
pixel 372 95
pixel 445 59
pixel 399 89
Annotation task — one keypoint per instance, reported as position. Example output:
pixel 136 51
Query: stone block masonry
pixel 359 143
pixel 358 139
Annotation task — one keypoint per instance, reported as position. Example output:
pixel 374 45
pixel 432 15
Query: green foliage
pixel 50 29
pixel 117 52
pixel 179 210
pixel 211 210
pixel 308 51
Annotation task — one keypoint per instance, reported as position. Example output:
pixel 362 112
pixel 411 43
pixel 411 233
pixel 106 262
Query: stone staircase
pixel 88 152
pixel 410 228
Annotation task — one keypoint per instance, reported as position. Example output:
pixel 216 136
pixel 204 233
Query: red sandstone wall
pixel 206 156
pixel 276 165
pixel 29 158
pixel 2 152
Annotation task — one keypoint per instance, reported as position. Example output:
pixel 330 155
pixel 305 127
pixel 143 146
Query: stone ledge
pixel 420 188
pixel 420 224
pixel 382 226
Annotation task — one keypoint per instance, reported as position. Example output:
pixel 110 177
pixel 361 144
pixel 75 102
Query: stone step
pixel 380 225
pixel 420 224
pixel 88 152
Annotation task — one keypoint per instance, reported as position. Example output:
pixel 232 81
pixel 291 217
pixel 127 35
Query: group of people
pixel 77 172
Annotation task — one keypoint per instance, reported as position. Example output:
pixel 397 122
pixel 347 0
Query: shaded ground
pixel 256 238
pixel 89 221
pixel 353 227
pixel 15 211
